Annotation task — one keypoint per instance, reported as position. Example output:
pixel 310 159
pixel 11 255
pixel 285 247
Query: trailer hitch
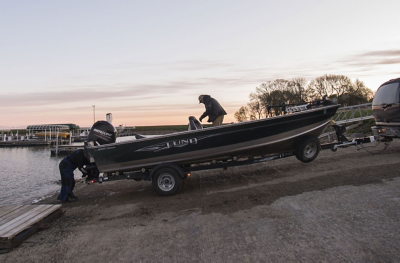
pixel 343 141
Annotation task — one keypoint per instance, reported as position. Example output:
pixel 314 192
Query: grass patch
pixel 364 128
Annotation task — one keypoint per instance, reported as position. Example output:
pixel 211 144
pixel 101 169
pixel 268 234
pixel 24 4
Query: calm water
pixel 28 174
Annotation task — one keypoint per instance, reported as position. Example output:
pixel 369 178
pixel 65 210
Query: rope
pixel 366 148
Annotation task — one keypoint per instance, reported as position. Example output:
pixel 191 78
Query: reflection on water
pixel 30 173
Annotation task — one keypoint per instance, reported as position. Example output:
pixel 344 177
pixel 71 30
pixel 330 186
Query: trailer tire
pixel 308 149
pixel 166 181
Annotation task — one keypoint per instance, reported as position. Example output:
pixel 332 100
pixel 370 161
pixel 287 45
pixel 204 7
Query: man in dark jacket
pixel 214 110
pixel 67 166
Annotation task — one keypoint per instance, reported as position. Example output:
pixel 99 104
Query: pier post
pixel 57 143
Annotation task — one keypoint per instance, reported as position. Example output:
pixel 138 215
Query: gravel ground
pixel 343 206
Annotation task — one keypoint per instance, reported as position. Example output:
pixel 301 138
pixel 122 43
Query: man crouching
pixel 67 166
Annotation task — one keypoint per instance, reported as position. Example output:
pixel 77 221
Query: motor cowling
pixel 102 132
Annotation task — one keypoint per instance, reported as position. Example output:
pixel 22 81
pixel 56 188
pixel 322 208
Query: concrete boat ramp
pixel 19 222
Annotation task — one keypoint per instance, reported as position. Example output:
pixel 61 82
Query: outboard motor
pixel 194 124
pixel 102 132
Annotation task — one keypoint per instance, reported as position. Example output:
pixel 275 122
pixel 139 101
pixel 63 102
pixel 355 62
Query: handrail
pixel 354 113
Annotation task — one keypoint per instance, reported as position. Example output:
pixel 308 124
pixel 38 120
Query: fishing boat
pixel 296 132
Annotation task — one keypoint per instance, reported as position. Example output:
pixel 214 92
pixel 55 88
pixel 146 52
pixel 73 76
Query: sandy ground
pixel 343 206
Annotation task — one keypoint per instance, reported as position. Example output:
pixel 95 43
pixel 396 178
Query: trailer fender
pixel 169 165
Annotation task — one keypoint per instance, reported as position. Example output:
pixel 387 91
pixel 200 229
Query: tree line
pixel 299 90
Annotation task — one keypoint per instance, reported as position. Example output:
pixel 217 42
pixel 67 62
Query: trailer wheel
pixel 308 149
pixel 166 181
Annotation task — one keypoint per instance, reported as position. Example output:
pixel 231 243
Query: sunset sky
pixel 146 62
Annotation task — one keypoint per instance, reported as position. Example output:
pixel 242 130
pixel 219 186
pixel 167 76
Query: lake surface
pixel 29 174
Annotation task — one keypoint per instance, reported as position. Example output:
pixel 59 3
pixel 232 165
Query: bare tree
pixel 298 87
pixel 361 91
pixel 274 93
pixel 340 84
pixel 242 114
pixel 331 85
pixel 319 87
pixel 256 106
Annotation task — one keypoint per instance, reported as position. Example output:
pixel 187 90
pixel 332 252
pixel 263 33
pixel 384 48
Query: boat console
pixel 194 124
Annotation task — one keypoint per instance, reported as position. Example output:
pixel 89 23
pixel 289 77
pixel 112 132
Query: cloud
pixel 89 94
pixel 370 60
pixel 165 107
pixel 182 65
pixel 92 93
pixel 366 65
pixel 382 53
pixel 233 78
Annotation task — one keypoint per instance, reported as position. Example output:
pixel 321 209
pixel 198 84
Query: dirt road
pixel 343 206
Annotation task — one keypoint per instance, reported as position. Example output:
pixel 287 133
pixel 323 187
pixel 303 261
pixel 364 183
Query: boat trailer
pixel 166 178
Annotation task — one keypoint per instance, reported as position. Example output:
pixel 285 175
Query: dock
pixel 64 149
pixel 19 222
pixel 24 143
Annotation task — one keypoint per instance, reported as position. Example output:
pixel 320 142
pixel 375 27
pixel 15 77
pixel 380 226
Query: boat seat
pixel 194 124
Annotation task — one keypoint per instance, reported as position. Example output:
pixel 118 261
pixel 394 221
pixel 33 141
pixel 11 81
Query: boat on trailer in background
pixel 167 159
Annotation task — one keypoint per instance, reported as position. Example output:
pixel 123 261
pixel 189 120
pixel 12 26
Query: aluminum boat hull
pixel 273 135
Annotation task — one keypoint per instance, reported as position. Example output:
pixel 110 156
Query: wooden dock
pixel 19 222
